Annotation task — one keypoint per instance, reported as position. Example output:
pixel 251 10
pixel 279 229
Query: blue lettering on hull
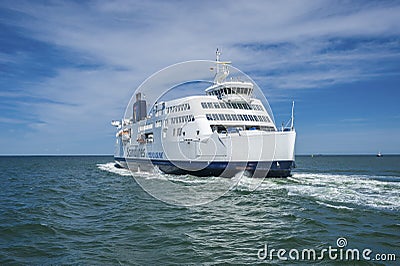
pixel 155 154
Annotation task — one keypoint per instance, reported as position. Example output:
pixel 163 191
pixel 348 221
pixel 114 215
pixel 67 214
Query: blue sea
pixel 82 210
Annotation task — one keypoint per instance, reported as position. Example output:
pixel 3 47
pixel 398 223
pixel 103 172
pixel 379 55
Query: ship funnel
pixel 139 108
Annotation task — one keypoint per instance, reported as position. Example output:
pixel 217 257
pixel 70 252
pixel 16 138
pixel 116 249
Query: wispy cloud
pixel 354 120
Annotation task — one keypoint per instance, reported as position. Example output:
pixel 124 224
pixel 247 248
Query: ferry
pixel 225 131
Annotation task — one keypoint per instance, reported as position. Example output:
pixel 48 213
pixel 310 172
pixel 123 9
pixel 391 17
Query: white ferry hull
pixel 275 158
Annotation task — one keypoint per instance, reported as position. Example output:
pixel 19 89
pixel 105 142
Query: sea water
pixel 83 210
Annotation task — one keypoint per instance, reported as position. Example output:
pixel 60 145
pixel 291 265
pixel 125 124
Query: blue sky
pixel 68 68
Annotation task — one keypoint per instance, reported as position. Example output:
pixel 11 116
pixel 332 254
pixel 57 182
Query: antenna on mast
pixel 222 70
pixel 217 55
pixel 291 126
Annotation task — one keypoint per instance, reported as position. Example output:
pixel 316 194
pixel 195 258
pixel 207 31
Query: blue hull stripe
pixel 270 169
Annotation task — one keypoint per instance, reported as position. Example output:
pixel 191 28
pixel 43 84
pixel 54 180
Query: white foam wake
pixel 331 190
pixel 110 167
pixel 341 191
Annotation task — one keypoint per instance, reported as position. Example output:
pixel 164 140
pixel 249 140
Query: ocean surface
pixel 82 210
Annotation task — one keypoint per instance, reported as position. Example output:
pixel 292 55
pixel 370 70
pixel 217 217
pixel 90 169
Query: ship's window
pixel 246 117
pixel 197 132
pixel 223 105
pixel 251 118
pixel 204 105
pixel 240 117
pixel 183 133
pixel 216 105
pixel 255 118
pixel 188 106
pixel 234 105
pixel 229 105
pixel 215 116
pixel 228 117
pixel 234 117
pixel 221 117
pixel 229 90
pixel 209 117
pixel 209 105
pixel 179 131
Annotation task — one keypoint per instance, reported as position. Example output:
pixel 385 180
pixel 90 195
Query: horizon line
pixel 301 154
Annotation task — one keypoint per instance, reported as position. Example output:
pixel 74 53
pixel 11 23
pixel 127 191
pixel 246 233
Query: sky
pixel 67 68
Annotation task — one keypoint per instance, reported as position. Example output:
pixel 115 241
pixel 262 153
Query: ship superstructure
pixel 221 133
